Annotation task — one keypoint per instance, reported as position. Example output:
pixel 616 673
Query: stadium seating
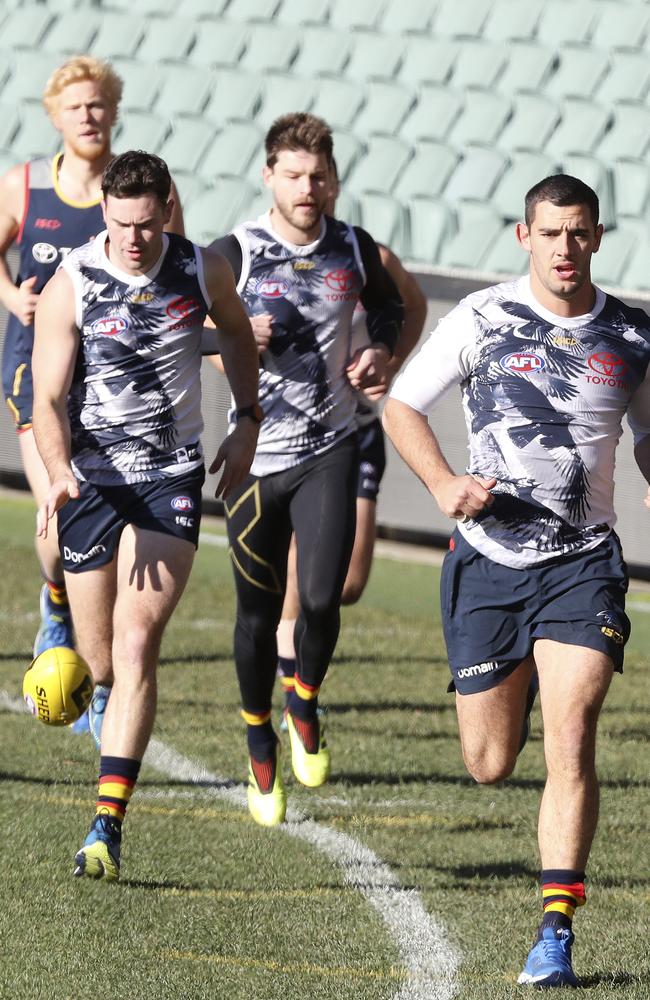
pixel 444 112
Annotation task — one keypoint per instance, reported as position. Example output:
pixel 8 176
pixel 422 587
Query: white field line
pixel 429 959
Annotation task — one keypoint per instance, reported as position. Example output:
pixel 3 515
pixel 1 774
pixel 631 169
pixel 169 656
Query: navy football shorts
pixel 372 460
pixel 492 614
pixel 90 527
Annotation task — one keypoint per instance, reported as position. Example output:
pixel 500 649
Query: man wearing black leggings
pixel 304 272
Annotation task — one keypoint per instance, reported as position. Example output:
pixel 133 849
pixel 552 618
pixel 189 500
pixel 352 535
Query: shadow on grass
pixel 338 708
pixel 618 978
pixel 29 779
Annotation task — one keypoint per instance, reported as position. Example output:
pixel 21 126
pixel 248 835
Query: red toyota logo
pixel 607 364
pixel 182 308
pixel 340 280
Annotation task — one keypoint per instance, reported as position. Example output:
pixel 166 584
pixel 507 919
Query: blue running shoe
pixel 56 625
pixel 533 688
pixel 82 725
pixel 100 855
pixel 96 710
pixel 549 961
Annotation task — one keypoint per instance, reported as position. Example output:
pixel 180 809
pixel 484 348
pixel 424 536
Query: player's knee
pixel 489 768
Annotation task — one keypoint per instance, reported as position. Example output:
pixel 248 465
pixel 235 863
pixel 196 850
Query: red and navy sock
pixel 563 890
pixel 262 743
pixel 303 706
pixel 57 593
pixel 117 778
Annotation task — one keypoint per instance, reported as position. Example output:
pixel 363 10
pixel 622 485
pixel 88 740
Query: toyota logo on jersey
pixel 607 364
pixel 340 280
pixel 182 308
pixel 522 363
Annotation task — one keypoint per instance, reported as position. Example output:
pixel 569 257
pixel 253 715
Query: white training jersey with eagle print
pixel 543 397
pixel 135 400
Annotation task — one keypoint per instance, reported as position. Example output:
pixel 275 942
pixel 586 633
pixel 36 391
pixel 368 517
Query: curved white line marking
pixel 425 951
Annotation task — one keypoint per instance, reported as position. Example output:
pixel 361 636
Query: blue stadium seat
pixel 476 176
pixel 323 52
pixel 271 47
pixel 533 121
pixel 479 64
pixel 232 151
pixel 374 56
pixel 69 33
pixel 283 93
pixel 523 171
pixel 186 144
pixel 168 38
pixel 408 16
pixel 437 110
pixel 426 175
pixel 429 60
pixel 478 228
pixel 431 224
pixel 387 105
pixel 505 256
pixel 483 119
pixel 381 167
pixel 511 20
pixel 219 43
pixel 529 68
pixel 579 73
pixel 461 18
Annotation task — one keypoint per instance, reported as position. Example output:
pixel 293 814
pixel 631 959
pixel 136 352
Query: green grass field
pixel 212 906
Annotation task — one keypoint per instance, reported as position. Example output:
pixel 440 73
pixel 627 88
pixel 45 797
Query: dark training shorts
pixel 492 614
pixel 372 460
pixel 90 527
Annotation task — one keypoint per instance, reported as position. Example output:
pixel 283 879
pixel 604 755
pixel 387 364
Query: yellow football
pixel 58 686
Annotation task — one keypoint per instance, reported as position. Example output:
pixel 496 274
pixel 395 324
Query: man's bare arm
pixel 19 300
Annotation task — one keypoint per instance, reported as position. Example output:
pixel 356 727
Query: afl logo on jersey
pixel 522 363
pixel 269 288
pixel 182 503
pixel 109 326
pixel 607 364
pixel 44 253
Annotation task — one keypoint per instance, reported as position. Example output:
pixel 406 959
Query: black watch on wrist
pixel 254 411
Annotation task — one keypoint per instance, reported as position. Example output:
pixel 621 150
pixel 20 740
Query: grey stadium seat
pixel 609 265
pixel 294 12
pixel 9 124
pixel 204 10
pixel 348 150
pixel 636 275
pixel 251 10
pixel 631 189
pixel 348 209
pixel 599 176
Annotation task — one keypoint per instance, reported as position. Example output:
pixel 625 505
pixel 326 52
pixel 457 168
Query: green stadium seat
pixel 534 119
pixel 348 149
pixel 483 119
pixel 636 275
pixel 215 211
pixel 631 189
pixel 476 176
pixel 251 10
pixel 617 249
pixel 426 175
pixel 629 135
pixel 167 38
pixel 387 105
pixel 479 64
pixel 69 33
pixel 189 185
pixel 523 171
pixel 347 208
pixel 478 228
pixel 621 26
pixel 256 168
pixel 36 136
pixel 430 224
pixel 140 130
pixel 374 56
pixel 219 43
pixel 271 47
pixel 234 95
pixel 283 93
pixel 118 35
pixel 599 176
pixel 147 7
pixel 433 116
pixel 297 12
pixel 256 205
pixel 339 102
pixel 429 61
pixel 581 130
pixel 385 219
pixel 381 167
pixel 25 27
pixel 231 151
pixel 529 68
pixel 360 14
pixel 184 90
pixel 141 83
pixel 511 20
pixel 461 18
pixel 323 52
pixel 579 73
pixel 30 71
pixel 201 9
pixel 9 124
pixel 564 23
pixel 187 143
pixel 628 79
pixel 506 256
pixel 408 16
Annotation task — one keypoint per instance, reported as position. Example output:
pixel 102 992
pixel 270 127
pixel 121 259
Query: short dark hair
pixel 563 190
pixel 134 173
pixel 298 130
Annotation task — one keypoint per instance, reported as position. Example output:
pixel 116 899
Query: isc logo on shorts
pixel 182 503
pixel 522 362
